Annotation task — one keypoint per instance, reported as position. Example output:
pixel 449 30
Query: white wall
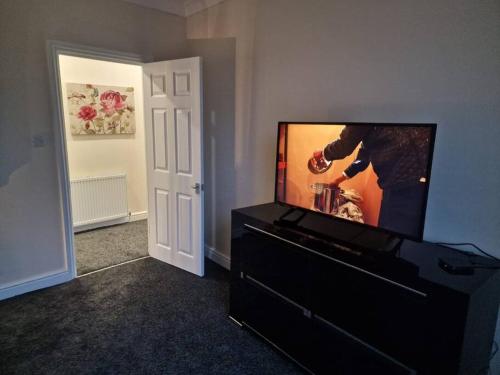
pixel 104 155
pixel 31 237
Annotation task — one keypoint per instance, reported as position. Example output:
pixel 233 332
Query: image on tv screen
pixel 368 173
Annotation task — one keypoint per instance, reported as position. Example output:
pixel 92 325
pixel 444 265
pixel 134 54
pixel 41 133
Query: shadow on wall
pixel 15 148
pixel 303 140
pixel 15 141
pixel 218 61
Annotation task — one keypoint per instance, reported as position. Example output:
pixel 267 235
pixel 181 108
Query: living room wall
pixel 31 238
pixel 374 61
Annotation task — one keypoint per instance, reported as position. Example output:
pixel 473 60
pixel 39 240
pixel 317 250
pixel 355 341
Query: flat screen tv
pixel 373 174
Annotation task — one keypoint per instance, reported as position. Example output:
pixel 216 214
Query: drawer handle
pixel 365 344
pixel 278 294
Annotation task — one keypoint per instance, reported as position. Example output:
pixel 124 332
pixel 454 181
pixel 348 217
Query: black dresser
pixel 322 294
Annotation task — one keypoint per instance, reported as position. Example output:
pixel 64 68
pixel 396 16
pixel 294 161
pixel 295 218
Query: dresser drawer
pixel 280 266
pixel 376 310
pixel 334 351
pixel 278 321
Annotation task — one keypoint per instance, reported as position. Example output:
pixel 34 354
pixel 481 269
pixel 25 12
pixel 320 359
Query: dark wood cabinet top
pixel 415 264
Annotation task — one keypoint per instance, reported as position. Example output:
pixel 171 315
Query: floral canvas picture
pixel 95 109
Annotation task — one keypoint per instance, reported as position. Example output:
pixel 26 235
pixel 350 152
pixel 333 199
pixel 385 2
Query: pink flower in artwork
pixel 87 113
pixel 112 101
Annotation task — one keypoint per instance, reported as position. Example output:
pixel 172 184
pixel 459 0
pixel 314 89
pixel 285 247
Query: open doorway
pixel 102 102
pixel 173 134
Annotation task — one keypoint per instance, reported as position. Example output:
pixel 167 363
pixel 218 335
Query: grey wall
pixel 218 116
pixel 386 61
pixel 409 61
pixel 31 238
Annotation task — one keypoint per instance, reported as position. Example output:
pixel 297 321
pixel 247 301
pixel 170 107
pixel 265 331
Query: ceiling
pixel 182 8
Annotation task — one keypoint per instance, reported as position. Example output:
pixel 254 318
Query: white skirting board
pixel 134 216
pixel 38 282
pixel 216 256
pixel 139 215
pixel 82 228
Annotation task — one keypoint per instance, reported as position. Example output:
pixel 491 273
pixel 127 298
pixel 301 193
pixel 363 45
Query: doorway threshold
pixel 113 266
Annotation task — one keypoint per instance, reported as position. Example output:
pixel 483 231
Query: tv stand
pixel 320 293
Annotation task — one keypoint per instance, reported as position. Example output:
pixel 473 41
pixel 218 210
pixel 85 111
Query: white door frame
pixel 54 49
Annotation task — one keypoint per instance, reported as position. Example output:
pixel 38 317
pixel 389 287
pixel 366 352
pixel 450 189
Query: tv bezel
pixel 433 128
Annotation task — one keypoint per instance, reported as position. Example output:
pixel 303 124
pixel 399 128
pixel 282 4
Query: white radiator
pixel 99 201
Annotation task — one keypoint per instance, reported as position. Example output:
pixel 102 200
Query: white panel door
pixel 173 120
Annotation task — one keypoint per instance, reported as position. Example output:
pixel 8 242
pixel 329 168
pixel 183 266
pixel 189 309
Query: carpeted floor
pixel 144 317
pixel 100 248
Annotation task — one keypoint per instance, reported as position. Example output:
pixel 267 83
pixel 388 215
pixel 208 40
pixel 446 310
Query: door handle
pixel 197 187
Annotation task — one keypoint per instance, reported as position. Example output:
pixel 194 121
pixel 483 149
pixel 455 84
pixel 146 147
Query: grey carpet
pixel 144 317
pixel 104 247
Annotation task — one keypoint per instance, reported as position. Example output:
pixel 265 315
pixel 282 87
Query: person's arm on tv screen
pixel 346 143
pixel 357 166
pixel 360 164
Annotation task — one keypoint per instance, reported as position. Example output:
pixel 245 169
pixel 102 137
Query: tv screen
pixel 373 174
